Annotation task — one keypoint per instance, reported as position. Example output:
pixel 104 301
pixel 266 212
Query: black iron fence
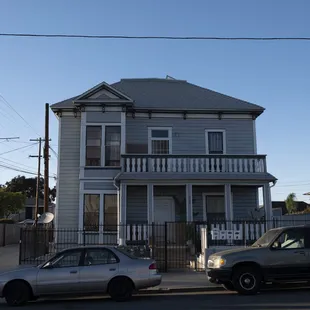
pixel 174 245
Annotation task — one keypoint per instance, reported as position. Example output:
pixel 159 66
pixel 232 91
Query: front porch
pixel 144 209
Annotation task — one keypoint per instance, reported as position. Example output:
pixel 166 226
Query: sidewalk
pixel 9 256
pixel 183 281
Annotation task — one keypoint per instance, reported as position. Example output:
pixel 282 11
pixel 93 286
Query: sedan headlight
pixel 216 262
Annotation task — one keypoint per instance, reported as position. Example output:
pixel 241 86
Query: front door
pixel 215 207
pixel 63 276
pixel 164 212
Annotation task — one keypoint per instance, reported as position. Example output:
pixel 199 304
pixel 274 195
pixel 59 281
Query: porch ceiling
pixel 213 177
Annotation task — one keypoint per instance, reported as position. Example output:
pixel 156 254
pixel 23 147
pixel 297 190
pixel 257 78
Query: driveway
pixel 9 256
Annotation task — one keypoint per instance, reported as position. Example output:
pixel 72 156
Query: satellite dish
pixel 46 218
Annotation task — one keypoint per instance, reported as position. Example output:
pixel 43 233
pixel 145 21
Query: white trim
pixel 254 137
pixel 103 124
pixel 183 182
pixel 122 215
pixel 58 174
pixel 150 138
pixel 96 180
pixel 189 202
pixel 123 133
pixel 207 140
pixel 172 204
pixel 190 115
pixel 82 144
pixel 150 203
pixel 229 214
pixel 204 202
pixel 267 204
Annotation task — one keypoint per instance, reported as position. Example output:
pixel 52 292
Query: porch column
pixel 150 203
pixel 122 206
pixel 189 202
pixel 228 206
pixel 267 205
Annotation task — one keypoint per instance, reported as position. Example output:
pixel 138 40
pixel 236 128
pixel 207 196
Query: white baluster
pixel 127 164
pixel 217 166
pixel 128 232
pixel 251 165
pixel 179 169
pixel 174 165
pixel 212 164
pixel 196 165
pixel 168 164
pixel 144 165
pixel 144 232
pixel 223 160
pixel 139 232
pixel 246 162
pixel 138 164
pixel 191 165
pixel 153 165
pixel 134 229
pixel 202 168
pixel 236 165
pixel 240 165
pixel 158 168
pixel 230 165
pixel 184 164
pixel 207 164
pixel 133 168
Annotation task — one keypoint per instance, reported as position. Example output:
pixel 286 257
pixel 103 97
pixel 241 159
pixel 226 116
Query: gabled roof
pixel 163 94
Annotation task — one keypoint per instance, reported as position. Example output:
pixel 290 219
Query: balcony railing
pixel 194 163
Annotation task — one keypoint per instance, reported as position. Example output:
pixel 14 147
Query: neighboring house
pixel 144 151
pixel 300 206
pixel 30 207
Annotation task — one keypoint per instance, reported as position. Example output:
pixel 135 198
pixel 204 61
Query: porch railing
pixel 194 163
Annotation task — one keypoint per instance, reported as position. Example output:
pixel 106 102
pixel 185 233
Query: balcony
pixel 194 163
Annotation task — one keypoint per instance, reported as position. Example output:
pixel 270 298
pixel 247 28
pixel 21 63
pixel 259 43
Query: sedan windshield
pixel 265 239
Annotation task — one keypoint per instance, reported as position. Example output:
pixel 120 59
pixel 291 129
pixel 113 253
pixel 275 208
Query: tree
pixel 27 186
pixel 11 203
pixel 291 203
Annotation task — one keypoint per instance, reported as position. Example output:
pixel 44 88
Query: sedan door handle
pixel 73 271
pixel 112 269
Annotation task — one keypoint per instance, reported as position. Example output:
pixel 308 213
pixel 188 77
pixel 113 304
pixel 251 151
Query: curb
pixel 168 290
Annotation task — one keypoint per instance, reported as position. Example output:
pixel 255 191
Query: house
pixel 300 206
pixel 143 151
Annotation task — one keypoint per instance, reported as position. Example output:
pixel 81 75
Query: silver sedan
pixel 81 271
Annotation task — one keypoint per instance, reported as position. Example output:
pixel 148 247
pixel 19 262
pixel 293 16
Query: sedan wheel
pixel 16 293
pixel 247 281
pixel 120 289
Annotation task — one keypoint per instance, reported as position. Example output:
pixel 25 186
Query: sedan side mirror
pixel 48 266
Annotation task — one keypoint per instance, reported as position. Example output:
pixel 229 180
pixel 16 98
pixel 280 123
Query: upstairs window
pixel 93 145
pixel 215 142
pixel 160 141
pixel 113 146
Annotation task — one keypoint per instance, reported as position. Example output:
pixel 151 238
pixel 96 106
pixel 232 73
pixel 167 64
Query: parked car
pixel 280 255
pixel 81 271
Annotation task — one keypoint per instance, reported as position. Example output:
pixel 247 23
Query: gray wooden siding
pixel 136 204
pixel 191 132
pixel 101 173
pixel 102 186
pixel 100 117
pixel 69 169
pixel 244 201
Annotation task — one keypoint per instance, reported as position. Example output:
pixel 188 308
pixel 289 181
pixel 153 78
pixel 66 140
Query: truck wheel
pixel 247 280
pixel 228 286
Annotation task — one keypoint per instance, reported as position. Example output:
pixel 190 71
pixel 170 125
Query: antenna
pixel 168 77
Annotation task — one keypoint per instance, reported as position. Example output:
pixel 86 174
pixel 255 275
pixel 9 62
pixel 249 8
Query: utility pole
pixel 38 180
pixel 46 159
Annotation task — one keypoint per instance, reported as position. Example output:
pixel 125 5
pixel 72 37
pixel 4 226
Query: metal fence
pixel 174 245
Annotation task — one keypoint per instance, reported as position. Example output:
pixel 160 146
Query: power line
pixel 54 152
pixel 82 36
pixel 20 148
pixel 16 163
pixel 10 106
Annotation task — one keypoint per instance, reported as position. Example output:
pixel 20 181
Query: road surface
pixel 284 300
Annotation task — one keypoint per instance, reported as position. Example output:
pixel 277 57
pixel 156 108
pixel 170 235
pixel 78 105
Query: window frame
pixel 99 249
pixel 303 229
pixel 103 143
pixel 101 231
pixel 207 131
pixel 62 253
pixel 150 138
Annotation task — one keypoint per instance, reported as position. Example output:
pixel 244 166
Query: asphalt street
pixel 283 300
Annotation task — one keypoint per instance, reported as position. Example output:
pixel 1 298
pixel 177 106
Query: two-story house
pixel 144 151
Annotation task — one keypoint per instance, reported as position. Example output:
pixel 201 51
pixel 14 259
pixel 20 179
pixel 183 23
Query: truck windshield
pixel 265 239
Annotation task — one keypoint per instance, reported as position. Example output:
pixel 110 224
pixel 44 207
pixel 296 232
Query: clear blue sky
pixel 272 74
